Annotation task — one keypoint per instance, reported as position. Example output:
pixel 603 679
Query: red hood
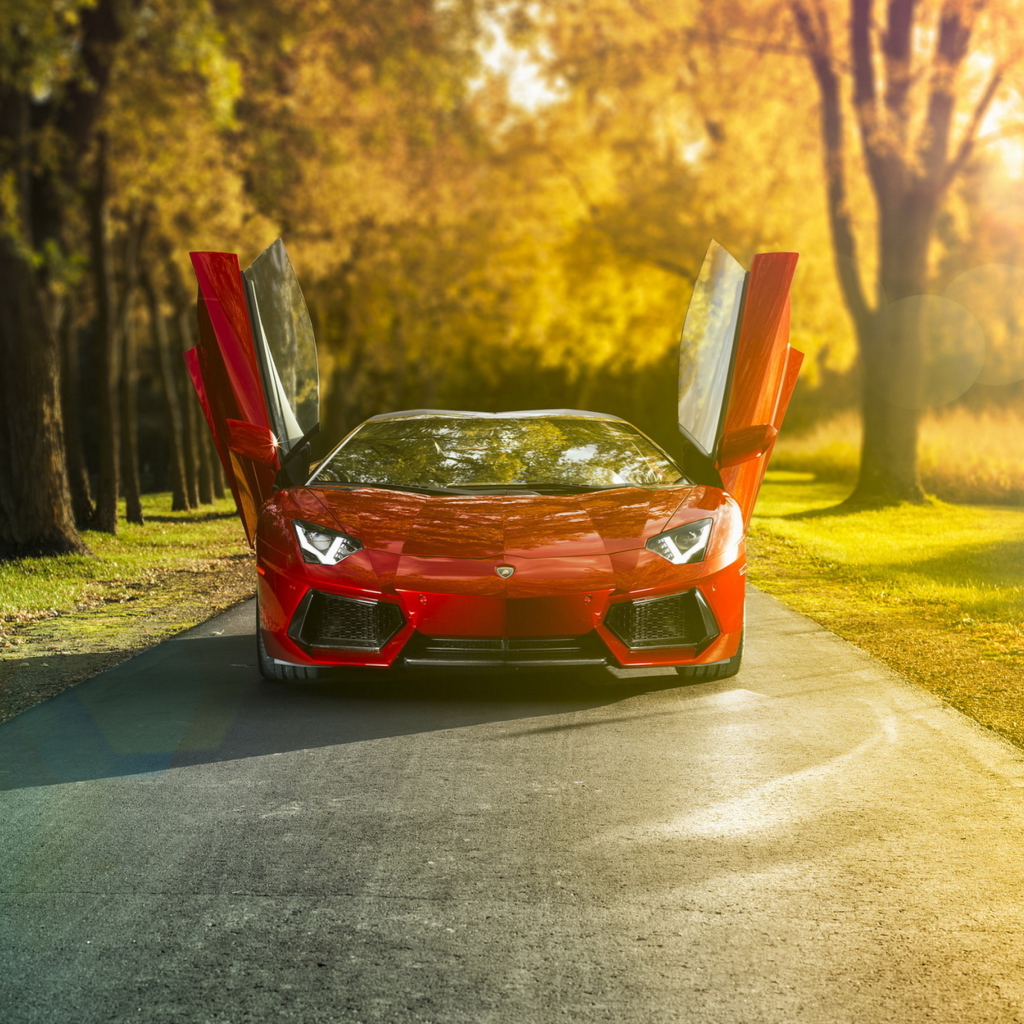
pixel 490 526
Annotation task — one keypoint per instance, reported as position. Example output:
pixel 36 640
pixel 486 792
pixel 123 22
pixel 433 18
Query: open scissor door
pixel 707 351
pixel 764 376
pixel 254 369
pixel 285 348
pixel 736 369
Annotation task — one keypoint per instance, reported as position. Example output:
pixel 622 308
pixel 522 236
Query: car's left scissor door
pixel 255 370
pixel 226 375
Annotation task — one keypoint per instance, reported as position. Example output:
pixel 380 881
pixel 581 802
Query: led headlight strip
pixel 319 544
pixel 685 544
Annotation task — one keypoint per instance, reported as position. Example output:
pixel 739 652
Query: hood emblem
pixel 504 571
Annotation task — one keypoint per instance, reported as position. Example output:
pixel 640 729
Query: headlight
pixel 684 544
pixel 327 547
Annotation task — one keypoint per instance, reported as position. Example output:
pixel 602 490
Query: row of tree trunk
pixel 140 320
pixel 77 355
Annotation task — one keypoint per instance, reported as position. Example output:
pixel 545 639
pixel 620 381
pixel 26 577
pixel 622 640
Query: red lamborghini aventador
pixel 537 538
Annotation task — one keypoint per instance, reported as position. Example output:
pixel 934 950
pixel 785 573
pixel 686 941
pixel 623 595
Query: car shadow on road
pixel 197 700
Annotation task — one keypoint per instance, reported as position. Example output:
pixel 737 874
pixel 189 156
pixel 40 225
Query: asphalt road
pixel 813 841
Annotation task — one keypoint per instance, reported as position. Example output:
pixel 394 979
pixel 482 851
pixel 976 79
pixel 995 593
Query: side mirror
pixel 252 442
pixel 745 444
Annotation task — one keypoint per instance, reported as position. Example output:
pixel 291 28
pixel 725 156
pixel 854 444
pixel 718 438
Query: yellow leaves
pixel 38 43
pixel 10 215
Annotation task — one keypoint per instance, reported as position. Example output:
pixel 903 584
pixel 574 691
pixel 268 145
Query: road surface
pixel 813 841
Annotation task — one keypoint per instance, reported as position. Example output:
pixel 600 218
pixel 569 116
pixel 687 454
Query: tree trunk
pixel 129 383
pixel 70 394
pixel 893 356
pixel 891 410
pixel 219 485
pixel 35 501
pixel 189 407
pixel 129 408
pixel 175 434
pixel 36 515
pixel 188 418
pixel 108 486
pixel 205 467
pixel 888 469
pixel 191 449
pixel 908 177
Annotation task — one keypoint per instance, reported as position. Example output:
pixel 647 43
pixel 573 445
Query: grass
pixel 934 590
pixel 124 565
pixel 965 456
pixel 64 619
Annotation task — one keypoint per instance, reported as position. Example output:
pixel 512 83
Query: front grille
pixel 682 620
pixel 505 651
pixel 462 643
pixel 324 620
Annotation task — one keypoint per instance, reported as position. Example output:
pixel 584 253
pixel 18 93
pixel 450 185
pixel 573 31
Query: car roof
pixel 516 414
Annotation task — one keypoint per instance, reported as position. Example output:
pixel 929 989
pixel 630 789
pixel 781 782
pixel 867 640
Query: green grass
pixel 123 567
pixel 969 557
pixel 63 620
pixel 935 590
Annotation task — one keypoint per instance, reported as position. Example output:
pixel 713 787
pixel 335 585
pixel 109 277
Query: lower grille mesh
pixel 517 644
pixel 324 620
pixel 509 651
pixel 462 643
pixel 682 620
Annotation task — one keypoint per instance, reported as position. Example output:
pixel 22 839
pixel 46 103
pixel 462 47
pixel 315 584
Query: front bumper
pixel 335 626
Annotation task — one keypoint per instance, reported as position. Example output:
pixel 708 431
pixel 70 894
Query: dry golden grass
pixel 965 456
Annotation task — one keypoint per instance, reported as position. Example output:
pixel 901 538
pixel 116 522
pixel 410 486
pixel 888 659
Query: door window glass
pixel 707 346
pixel 284 344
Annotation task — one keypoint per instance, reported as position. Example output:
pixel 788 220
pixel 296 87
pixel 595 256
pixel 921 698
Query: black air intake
pixel 682 620
pixel 344 623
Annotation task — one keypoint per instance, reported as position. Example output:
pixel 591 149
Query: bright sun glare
pixel 527 88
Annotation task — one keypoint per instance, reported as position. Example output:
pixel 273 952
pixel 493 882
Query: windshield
pixel 502 454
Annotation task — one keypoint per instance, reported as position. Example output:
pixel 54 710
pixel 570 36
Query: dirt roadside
pixel 43 657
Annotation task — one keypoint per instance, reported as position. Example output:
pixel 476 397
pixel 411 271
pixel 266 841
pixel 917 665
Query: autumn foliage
pixel 490 205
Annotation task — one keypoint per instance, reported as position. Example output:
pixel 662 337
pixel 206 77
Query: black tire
pixel 273 671
pixel 718 670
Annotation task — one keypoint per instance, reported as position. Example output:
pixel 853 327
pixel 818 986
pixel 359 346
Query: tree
pixel 105 347
pixel 902 90
pixel 170 369
pixel 54 68
pixel 907 79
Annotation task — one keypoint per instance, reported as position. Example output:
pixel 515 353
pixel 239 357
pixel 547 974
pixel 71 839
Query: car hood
pixel 491 526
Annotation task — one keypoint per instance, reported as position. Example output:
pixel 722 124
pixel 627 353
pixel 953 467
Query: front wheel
pixel 718 670
pixel 274 671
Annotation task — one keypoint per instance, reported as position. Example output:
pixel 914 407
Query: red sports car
pixel 539 538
